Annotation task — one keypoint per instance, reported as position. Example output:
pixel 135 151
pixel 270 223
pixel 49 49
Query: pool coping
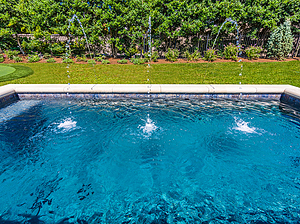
pixel 284 93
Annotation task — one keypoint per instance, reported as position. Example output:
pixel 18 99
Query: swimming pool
pixel 175 161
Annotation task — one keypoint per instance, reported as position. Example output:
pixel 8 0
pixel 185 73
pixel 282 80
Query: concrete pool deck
pixel 285 93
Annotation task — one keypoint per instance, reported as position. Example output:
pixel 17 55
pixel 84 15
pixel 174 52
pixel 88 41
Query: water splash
pixel 67 124
pixel 243 126
pixel 237 43
pixel 237 29
pixel 85 37
pixel 149 127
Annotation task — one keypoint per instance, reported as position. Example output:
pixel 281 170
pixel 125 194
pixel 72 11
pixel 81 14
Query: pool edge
pixel 285 93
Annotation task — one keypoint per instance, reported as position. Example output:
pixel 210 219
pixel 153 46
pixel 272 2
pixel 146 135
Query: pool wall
pixel 285 93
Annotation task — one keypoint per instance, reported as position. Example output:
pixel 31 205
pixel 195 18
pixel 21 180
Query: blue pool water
pixel 174 161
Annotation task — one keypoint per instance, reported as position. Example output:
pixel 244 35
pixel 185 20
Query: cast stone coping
pixel 294 92
pixel 148 88
pixel 6 91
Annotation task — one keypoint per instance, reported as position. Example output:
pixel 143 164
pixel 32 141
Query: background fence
pixel 192 43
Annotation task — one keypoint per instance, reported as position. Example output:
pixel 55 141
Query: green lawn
pixel 202 73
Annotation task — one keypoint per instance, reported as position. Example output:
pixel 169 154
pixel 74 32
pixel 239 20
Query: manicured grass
pixel 5 70
pixel 14 72
pixel 202 73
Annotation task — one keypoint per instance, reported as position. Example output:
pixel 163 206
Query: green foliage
pixel 81 59
pixel 172 55
pixel 138 61
pixel 122 61
pixel 47 56
pixel 195 56
pixel 99 58
pixel 231 52
pixel 154 57
pixel 105 62
pixel 33 58
pixel 57 48
pixel 68 60
pixel 11 54
pixel 17 59
pixel 253 52
pixel 1 58
pixel 91 62
pixel 210 55
pixel 280 42
pixel 124 24
pixel 51 60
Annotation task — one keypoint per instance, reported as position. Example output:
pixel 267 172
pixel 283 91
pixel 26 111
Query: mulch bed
pixel 160 61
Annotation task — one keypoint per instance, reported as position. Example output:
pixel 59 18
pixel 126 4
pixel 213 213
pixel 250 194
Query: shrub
pixel 280 42
pixel 57 48
pixel 122 61
pixel 172 55
pixel 33 58
pixel 154 57
pixel 68 60
pixel 210 55
pixel 231 52
pixel 17 59
pixel 253 52
pixel 105 62
pixel 51 60
pixel 91 62
pixel 1 58
pixel 11 54
pixel 47 56
pixel 138 61
pixel 100 58
pixel 192 57
pixel 80 59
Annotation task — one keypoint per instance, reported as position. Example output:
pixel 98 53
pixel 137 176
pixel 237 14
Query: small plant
pixel 91 62
pixel 122 61
pixel 138 61
pixel 17 59
pixel 100 58
pixel 105 62
pixel 231 52
pixel 1 58
pixel 154 57
pixel 192 57
pixel 253 52
pixel 51 60
pixel 33 58
pixel 47 56
pixel 81 59
pixel 280 42
pixel 210 55
pixel 172 55
pixel 68 60
pixel 11 54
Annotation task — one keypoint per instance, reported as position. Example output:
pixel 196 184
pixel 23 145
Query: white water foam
pixel 243 126
pixel 149 127
pixel 67 124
